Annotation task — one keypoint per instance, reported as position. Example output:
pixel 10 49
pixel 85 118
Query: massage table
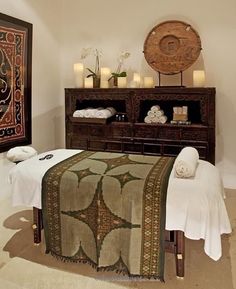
pixel 194 207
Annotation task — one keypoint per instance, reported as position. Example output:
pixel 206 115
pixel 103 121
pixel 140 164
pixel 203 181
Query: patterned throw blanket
pixel 108 210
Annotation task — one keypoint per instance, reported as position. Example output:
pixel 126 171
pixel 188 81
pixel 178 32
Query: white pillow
pixel 21 153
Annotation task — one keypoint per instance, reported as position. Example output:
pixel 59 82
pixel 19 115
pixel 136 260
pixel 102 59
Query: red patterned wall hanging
pixel 15 82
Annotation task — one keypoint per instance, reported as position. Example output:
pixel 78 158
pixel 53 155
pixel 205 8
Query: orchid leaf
pixel 123 74
pixel 91 71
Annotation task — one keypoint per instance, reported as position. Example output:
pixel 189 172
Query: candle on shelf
pixel 79 74
pixel 198 78
pixel 133 84
pixel 137 79
pixel 148 81
pixel 88 82
pixel 122 82
pixel 104 83
pixel 105 73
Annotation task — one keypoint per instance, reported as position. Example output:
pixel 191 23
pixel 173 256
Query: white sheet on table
pixel 26 177
pixel 196 207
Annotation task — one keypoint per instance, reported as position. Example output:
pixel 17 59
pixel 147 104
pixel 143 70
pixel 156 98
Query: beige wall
pixel 62 28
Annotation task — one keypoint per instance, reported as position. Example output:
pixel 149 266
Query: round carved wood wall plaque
pixel 172 47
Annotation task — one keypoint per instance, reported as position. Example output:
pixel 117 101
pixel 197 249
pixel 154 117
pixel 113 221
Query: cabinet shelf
pixel 89 120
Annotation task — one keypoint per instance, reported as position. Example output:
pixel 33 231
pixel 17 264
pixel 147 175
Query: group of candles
pixel 137 81
pixel 105 75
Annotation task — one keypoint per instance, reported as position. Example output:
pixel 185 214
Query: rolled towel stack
pixel 155 115
pixel 99 112
pixel 186 163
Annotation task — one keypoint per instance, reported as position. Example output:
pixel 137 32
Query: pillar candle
pixel 137 79
pixel 79 74
pixel 104 83
pixel 148 81
pixel 198 78
pixel 105 73
pixel 122 82
pixel 88 82
pixel 132 84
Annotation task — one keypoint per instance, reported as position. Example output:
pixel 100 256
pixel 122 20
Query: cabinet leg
pixel 37 225
pixel 179 254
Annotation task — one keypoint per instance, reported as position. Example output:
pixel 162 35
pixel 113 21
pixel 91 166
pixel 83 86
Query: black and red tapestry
pixel 15 82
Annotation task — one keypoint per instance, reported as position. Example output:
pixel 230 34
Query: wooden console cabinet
pixel 133 135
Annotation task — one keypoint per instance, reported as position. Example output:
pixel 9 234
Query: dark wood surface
pixel 135 136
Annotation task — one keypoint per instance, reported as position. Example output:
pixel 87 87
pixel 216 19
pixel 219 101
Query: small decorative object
pixel 180 115
pixel 198 78
pixel 15 82
pixel 46 157
pixel 171 47
pixel 119 72
pixel 148 82
pixel 95 74
pixel 155 115
pixel 121 117
pixel 79 74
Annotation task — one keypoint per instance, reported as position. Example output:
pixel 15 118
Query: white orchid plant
pixel 97 53
pixel 96 72
pixel 119 73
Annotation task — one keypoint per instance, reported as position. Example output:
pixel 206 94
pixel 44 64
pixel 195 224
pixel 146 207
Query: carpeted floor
pixel 23 265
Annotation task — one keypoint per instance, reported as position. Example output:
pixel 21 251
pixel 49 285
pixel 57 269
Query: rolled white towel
pixel 79 113
pixel 186 163
pixel 148 119
pixel 106 113
pixel 155 108
pixel 112 110
pixel 155 119
pixel 151 113
pixel 162 119
pixel 90 112
pixel 159 113
pixel 21 153
pixel 103 113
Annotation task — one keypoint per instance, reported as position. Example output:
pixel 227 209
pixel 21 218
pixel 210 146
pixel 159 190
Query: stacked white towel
pixel 99 112
pixel 79 113
pixel 186 163
pixel 155 115
pixel 90 112
pixel 106 113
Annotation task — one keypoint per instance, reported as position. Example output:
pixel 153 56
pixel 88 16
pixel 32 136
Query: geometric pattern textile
pixel 108 210
pixel 12 46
